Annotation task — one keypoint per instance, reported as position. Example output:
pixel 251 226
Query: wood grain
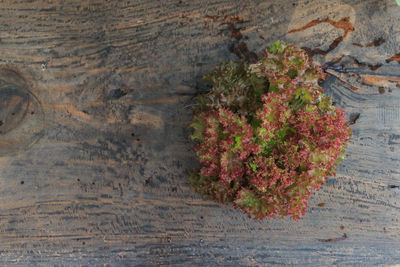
pixel 107 183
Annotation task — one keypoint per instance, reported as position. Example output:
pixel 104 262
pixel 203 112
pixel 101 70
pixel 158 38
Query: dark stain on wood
pixel 236 19
pixel 376 42
pixel 353 118
pixel 395 57
pixel 342 227
pixel 370 66
pixel 212 18
pixel 238 47
pixel 344 24
pixel 381 90
pixel 352 87
pixel 186 19
pixel 235 33
pixel 374 66
pixel 242 51
pixel 121 191
pixel 336 59
pixel 357 44
pixel 116 93
pixel 334 239
pixel 321 204
pixel 148 180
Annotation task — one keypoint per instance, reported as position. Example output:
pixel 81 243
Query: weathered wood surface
pixel 95 159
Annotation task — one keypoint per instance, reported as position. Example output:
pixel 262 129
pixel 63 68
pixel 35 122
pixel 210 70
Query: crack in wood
pixel 334 239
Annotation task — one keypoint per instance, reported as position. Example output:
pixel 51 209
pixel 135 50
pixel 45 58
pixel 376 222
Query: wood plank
pixel 107 182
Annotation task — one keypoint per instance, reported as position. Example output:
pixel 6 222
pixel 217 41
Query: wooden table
pixel 95 103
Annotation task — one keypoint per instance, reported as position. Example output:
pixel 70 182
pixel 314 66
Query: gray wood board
pixel 100 176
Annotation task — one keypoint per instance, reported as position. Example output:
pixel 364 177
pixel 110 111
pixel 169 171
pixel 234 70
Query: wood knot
pixel 21 115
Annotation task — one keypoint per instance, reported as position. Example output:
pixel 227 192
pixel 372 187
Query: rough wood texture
pixel 109 83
